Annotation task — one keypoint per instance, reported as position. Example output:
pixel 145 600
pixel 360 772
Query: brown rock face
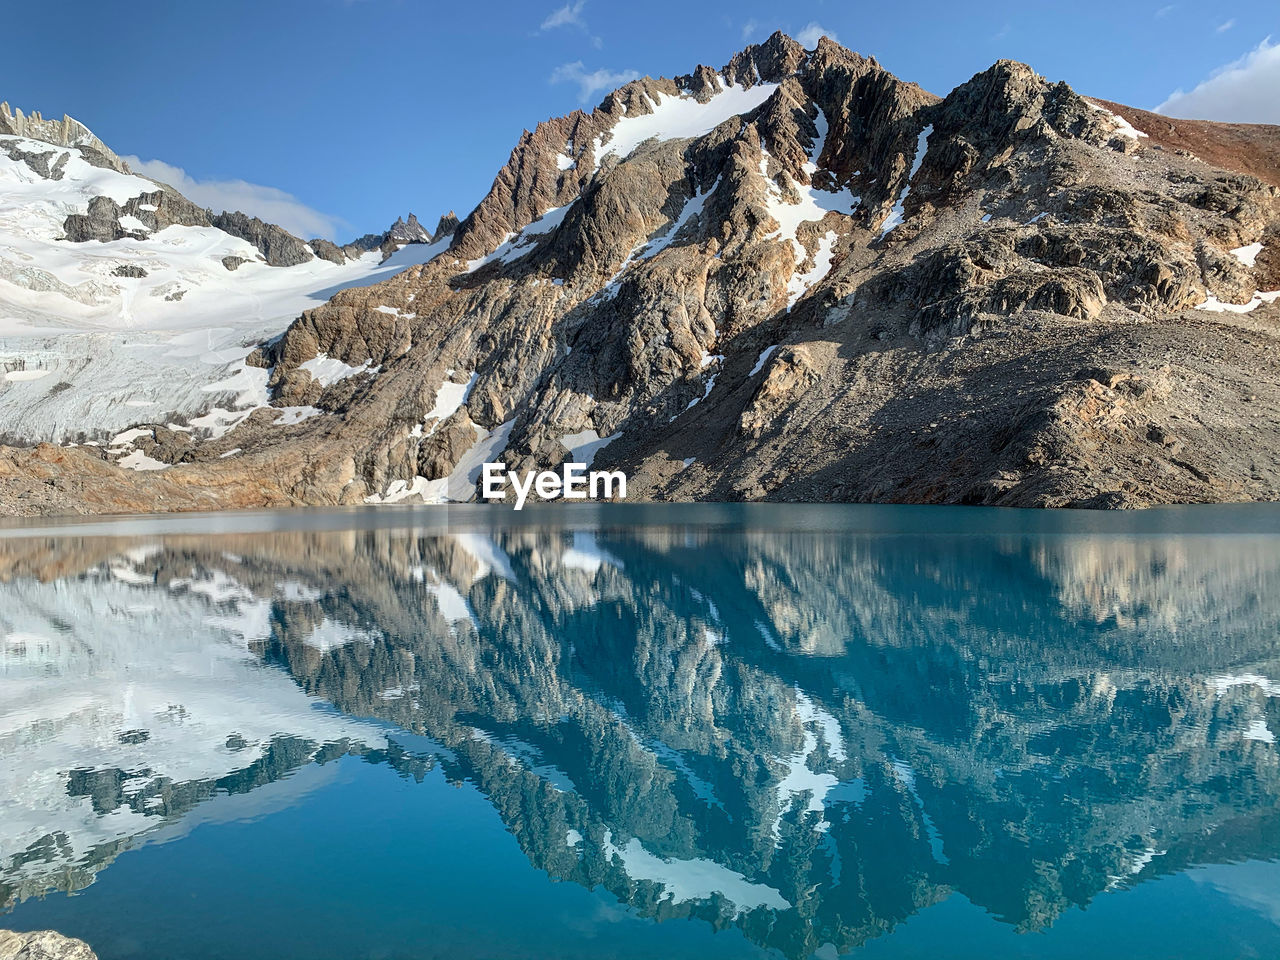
pixel 929 276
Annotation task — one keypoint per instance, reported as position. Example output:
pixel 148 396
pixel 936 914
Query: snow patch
pixel 459 486
pixel 327 370
pixel 678 118
pixel 333 635
pixel 26 376
pixel 140 461
pixel 761 360
pixel 450 397
pixel 813 205
pixel 453 606
pixel 896 214
pixel 800 283
pixel 1215 305
pixel 692 208
pixel 584 445
pixel 1248 254
pixel 1123 127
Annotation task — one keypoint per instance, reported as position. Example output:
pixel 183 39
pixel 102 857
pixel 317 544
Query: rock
pixel 1071 292
pixel 281 248
pixel 1224 276
pixel 102 222
pixel 129 270
pixel 440 452
pixel 48 164
pixel 445 226
pixel 232 262
pixel 398 234
pixel 42 944
pixel 327 250
pixel 790 372
pixel 408 232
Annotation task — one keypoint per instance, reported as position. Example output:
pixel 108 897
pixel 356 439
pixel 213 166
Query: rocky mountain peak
pixel 410 231
pixel 801 277
pixel 558 161
pixel 445 226
pixel 67 132
pixel 768 62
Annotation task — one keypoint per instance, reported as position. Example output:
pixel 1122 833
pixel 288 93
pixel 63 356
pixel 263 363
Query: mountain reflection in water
pixel 807 736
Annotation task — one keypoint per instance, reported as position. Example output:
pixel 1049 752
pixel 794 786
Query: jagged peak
pixel 67 132
pixel 1010 98
pixel 445 226
pixel 876 120
pixel 408 231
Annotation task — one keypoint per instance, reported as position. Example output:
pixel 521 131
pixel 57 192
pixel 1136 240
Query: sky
pixel 334 117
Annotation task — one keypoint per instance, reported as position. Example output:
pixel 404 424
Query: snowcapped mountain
pixel 794 277
pixel 121 301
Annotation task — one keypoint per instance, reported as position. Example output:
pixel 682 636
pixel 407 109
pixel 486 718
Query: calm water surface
pixel 637 732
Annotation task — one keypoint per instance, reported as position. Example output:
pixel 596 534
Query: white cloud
pixel 812 33
pixel 568 15
pixel 269 203
pixel 1166 10
pixel 593 82
pixel 749 28
pixel 1226 25
pixel 1243 91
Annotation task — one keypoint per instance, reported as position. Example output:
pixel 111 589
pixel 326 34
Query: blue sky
pixel 336 116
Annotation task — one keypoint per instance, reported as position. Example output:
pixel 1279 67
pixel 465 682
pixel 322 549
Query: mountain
pixel 793 278
pixel 120 299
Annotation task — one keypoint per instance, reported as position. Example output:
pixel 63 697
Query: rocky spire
pixel 448 223
pixel 67 132
pixel 410 231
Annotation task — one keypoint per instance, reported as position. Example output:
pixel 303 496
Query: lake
pixel 635 732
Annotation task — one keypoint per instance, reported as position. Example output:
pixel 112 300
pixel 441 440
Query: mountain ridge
pixel 798 277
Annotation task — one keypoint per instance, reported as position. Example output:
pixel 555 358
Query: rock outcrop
pixel 42 945
pixel 281 248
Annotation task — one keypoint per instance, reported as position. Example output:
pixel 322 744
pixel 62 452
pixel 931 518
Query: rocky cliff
pixel 799 278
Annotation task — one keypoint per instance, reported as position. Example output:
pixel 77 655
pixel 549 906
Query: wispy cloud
pixel 1242 91
pixel 1166 10
pixel 1226 25
pixel 570 15
pixel 749 28
pixel 812 33
pixel 1002 32
pixel 269 203
pixel 591 83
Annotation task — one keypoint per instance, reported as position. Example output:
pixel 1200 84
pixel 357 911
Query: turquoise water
pixel 645 732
